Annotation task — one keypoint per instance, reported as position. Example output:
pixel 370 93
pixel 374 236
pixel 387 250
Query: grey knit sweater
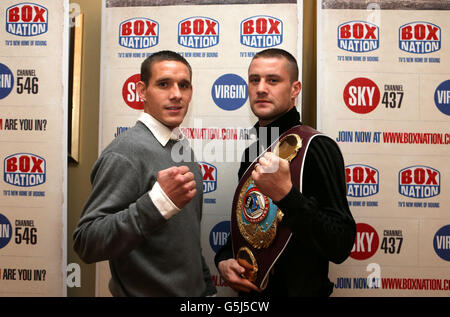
pixel 148 255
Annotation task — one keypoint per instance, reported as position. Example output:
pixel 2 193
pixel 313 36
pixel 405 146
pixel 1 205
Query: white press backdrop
pixel 218 41
pixel 33 151
pixel 383 94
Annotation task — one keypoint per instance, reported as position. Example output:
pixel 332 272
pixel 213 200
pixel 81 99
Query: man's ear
pixel 296 88
pixel 141 88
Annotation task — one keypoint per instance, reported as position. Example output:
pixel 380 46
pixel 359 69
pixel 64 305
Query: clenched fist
pixel 178 184
pixel 272 176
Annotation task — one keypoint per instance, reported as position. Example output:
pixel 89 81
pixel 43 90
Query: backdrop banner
pixel 218 38
pixel 384 95
pixel 33 151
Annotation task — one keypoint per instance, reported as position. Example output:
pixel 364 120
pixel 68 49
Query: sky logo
pixel 198 32
pixel 420 37
pixel 261 31
pixel 361 95
pixel 358 36
pixel 130 93
pixel 138 33
pixel 26 19
pixel 366 242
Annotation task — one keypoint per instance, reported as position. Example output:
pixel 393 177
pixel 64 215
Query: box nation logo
pixel 362 180
pixel 419 182
pixel 24 170
pixel 198 32
pixel 209 173
pixel 358 36
pixel 138 33
pixel 261 31
pixel 26 19
pixel 420 37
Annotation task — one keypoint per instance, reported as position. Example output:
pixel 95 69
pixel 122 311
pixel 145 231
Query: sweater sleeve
pixel 118 214
pixel 319 216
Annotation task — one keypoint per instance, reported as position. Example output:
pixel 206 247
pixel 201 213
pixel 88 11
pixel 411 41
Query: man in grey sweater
pixel 144 211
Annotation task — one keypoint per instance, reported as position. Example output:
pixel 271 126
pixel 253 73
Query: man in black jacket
pixel 319 218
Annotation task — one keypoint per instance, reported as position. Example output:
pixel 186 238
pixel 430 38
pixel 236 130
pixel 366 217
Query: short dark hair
pixel 146 66
pixel 279 53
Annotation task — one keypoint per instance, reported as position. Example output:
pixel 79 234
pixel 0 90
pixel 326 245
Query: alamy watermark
pixel 73 278
pixel 74 11
pixel 210 145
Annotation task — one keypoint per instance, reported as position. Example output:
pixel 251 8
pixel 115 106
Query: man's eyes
pixel 268 80
pixel 182 85
pixel 185 85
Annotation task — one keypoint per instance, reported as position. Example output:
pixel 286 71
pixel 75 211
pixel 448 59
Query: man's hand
pixel 231 271
pixel 178 184
pixel 272 176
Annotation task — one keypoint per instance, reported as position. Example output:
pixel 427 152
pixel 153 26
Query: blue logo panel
pixel 441 243
pixel 6 81
pixel 442 97
pixel 229 92
pixel 5 231
pixel 219 235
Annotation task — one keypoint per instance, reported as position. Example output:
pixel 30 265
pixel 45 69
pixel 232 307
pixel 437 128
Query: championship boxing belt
pixel 257 238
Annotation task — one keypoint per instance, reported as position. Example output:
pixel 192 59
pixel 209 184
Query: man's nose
pixel 261 88
pixel 175 92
